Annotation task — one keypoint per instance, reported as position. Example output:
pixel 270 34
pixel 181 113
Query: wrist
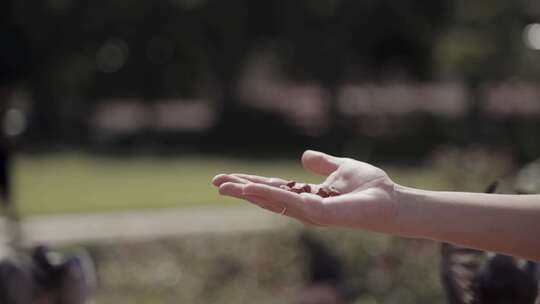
pixel 410 209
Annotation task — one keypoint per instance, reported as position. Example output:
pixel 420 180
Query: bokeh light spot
pixel 112 56
pixel 531 36
pixel 14 122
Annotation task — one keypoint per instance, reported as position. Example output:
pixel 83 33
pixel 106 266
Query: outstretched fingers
pixel 246 179
pixel 305 207
pixel 266 193
pixel 220 179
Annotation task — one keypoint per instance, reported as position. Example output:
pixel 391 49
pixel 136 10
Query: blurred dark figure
pixel 13 62
pixel 47 278
pixel 68 281
pixel 5 160
pixel 15 279
pixel 39 279
pixel 15 283
pixel 325 280
pixel 476 277
pixel 10 73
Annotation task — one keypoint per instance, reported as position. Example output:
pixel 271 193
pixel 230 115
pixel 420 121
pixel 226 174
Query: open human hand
pixel 363 195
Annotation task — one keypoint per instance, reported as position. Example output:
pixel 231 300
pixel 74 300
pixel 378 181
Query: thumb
pixel 320 163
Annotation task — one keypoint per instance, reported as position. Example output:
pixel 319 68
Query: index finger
pixel 270 181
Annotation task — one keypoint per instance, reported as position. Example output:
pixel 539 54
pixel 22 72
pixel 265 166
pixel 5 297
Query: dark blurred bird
pixel 479 277
pixel 62 279
pixel 15 282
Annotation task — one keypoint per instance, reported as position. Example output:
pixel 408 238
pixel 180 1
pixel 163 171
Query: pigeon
pixel 472 276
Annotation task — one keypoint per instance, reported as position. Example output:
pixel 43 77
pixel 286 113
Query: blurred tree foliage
pixel 483 44
pixel 84 52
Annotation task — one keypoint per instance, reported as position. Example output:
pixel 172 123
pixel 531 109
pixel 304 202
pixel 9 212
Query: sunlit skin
pixel 370 200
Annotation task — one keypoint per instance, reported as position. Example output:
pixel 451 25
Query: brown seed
pixel 333 191
pixel 323 193
pixel 306 188
pixel 297 186
pixel 296 190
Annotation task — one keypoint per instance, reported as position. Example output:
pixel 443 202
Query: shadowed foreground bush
pixel 268 267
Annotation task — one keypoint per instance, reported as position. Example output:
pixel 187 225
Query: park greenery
pixel 72 57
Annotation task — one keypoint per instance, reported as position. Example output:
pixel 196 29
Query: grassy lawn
pixel 80 183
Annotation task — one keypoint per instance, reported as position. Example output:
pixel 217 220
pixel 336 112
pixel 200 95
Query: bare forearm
pixel 503 223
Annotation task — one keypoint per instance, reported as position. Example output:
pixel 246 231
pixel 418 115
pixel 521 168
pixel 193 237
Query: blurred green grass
pixel 63 183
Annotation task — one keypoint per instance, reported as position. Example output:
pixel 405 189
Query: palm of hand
pixel 353 176
pixel 367 196
pixel 366 199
